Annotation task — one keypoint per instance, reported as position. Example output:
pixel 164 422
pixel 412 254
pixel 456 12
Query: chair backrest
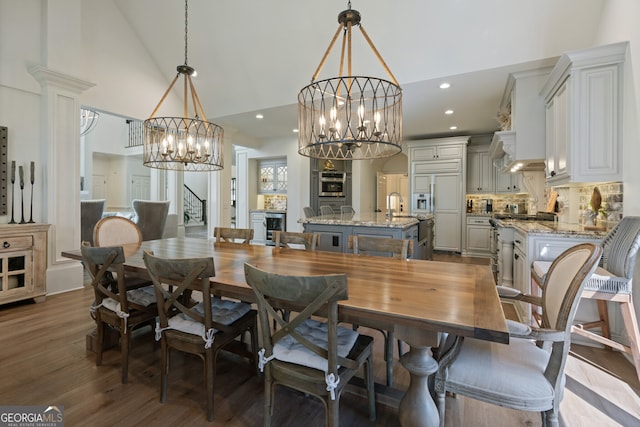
pixel 563 286
pixel 308 212
pixel 326 210
pixel 309 293
pixel 151 217
pixel 288 238
pixel 173 278
pixel 381 246
pixel 347 210
pixel 90 213
pixel 231 235
pixel 100 262
pixel 116 231
pixel 621 247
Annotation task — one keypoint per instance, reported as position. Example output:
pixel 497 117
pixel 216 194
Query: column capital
pixel 48 77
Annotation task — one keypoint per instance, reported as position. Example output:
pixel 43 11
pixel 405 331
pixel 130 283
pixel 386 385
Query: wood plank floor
pixel 43 361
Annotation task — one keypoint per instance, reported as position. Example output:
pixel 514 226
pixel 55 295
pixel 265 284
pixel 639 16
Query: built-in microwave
pixel 332 183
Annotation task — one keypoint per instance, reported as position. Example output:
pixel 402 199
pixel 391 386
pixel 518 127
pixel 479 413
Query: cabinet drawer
pixel 478 221
pixel 15 243
pixel 439 166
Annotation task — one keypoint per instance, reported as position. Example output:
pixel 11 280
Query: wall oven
pixel 332 183
pixel 274 222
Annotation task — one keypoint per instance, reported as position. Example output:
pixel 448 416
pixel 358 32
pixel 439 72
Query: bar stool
pixel 612 281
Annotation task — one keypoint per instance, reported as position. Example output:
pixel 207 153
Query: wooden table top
pixel 429 296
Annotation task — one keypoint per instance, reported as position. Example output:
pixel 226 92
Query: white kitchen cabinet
pixel 520 273
pixel 584 102
pixel 504 255
pixel 258 223
pixel 272 177
pixel 443 162
pixel 508 182
pixel 479 171
pixel 478 242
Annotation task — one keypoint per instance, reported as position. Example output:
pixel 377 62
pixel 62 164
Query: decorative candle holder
pixel 33 167
pixel 21 173
pixel 13 180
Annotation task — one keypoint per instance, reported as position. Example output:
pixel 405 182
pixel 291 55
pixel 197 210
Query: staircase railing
pixel 195 208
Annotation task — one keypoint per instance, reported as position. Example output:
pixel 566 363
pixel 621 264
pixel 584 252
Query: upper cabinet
pixel 520 145
pixel 479 170
pixel 584 101
pixel 272 176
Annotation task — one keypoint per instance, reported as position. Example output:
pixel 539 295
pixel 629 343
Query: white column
pixel 60 135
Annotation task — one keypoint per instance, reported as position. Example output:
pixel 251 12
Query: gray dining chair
pixel 90 213
pixel 151 217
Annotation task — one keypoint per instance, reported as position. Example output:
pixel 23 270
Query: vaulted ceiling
pixel 254 56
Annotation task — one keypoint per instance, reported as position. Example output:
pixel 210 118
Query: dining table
pixel 417 300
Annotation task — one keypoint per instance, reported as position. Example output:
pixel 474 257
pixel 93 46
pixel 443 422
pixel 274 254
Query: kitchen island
pixel 335 230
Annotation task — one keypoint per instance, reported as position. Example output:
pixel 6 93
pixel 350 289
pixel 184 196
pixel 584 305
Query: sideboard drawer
pixel 16 243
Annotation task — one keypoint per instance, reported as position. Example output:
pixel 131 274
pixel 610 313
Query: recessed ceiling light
pixel 453 127
pixel 259 116
pixel 445 85
pixel 449 112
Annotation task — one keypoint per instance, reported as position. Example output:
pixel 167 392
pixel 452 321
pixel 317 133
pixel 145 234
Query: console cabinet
pixel 23 262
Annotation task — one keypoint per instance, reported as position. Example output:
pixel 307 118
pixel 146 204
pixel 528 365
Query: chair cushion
pixel 290 350
pixel 601 280
pixel 222 311
pixel 510 375
pixel 517 328
pixel 507 292
pixel 142 296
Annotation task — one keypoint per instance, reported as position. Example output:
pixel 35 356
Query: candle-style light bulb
pixel 33 171
pixel 13 171
pixel 21 173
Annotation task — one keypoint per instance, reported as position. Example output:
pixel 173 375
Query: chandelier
pixel 88 120
pixel 183 143
pixel 350 117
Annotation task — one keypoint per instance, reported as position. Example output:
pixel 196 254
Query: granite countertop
pixel 551 228
pixel 269 210
pixel 365 220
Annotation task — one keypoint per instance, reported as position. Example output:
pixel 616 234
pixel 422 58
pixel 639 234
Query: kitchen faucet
pixel 393 193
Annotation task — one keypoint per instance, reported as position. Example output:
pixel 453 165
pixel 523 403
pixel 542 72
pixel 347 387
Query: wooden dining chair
pixel 116 231
pixel 308 241
pixel 611 282
pixel 115 305
pixel 318 358
pixel 527 374
pixel 383 246
pixel 233 235
pixel 202 329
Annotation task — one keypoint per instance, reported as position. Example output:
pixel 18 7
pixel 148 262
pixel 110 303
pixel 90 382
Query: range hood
pixel 511 155
pixel 522 147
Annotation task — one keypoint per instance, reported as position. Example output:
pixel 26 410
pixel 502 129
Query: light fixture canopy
pixel 183 143
pixel 350 117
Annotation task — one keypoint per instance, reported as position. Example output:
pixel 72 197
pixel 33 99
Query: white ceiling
pixel 255 55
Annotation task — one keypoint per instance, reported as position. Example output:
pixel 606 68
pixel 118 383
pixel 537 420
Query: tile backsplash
pixel 500 201
pixel 574 204
pixel 275 201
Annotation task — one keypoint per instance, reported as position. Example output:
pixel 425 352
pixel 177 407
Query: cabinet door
pixel 449 152
pixel 507 182
pixel 558 132
pixel 520 273
pixel 422 183
pixel 479 173
pixel 478 239
pixel 447 232
pixel 259 227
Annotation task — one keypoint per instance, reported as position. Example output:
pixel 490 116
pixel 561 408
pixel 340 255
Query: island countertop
pixel 551 228
pixel 364 220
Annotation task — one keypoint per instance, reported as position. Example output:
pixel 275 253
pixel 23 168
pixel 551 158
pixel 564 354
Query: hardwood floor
pixel 44 362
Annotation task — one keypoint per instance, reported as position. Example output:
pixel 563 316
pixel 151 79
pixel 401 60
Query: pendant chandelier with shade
pixel 350 117
pixel 183 143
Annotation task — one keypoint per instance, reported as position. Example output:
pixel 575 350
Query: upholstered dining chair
pixel 116 231
pixel 90 213
pixel 151 217
pixel 383 246
pixel 202 329
pixel 611 282
pixel 233 235
pixel 116 305
pixel 528 373
pixel 318 358
pixel 308 241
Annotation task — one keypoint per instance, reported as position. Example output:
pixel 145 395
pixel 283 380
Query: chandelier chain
pixel 186 26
